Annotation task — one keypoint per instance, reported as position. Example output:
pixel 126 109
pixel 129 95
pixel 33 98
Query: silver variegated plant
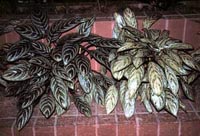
pixel 52 68
pixel 150 66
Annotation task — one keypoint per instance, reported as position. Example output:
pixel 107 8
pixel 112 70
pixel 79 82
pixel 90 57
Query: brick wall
pixel 73 123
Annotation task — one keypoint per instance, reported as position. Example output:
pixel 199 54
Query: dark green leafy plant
pixel 51 70
pixel 151 66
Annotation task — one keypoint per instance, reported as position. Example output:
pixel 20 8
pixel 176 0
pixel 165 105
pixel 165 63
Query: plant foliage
pixel 151 66
pixel 52 68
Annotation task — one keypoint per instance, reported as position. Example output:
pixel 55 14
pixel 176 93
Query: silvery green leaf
pixel 172 103
pixel 158 100
pixel 172 80
pixel 129 104
pixel 130 18
pixel 120 63
pixel 111 98
pixel 155 76
pixel 85 83
pixel 187 89
pixel 135 80
pixel 122 90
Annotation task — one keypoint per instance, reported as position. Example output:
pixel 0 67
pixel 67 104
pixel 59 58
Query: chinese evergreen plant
pixel 150 66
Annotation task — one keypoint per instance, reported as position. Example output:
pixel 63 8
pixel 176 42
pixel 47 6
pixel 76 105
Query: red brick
pixel 123 120
pixel 43 122
pixel 147 124
pixel 127 129
pixel 86 130
pixel 82 120
pixel 105 130
pixel 160 24
pixel 168 129
pixel 103 28
pixel 6 122
pixel 66 121
pixel 190 128
pixel 72 111
pixel 106 119
pixel 26 131
pixel 2 39
pixel 176 27
pixel 44 131
pixel 5 131
pixel 12 37
pixel 191 36
pixel 67 130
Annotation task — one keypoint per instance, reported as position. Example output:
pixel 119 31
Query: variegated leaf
pixel 155 76
pixel 148 22
pixel 61 26
pixel 18 51
pixel 111 99
pixel 29 31
pixel 100 57
pixel 16 73
pixel 47 105
pixel 59 110
pixel 147 105
pixel 41 48
pixel 39 81
pixel 172 80
pixel 177 45
pixel 24 116
pixel 188 60
pixel 129 104
pixel 83 64
pixel 187 89
pixel 85 82
pixel 173 64
pixel 135 80
pixel 36 70
pixel 71 70
pixel 107 43
pixel 137 62
pixel 40 20
pixel 34 94
pixel 56 53
pixel 120 63
pixel 60 92
pixel 128 71
pixel 69 52
pixel 172 103
pixel 122 91
pixel 130 18
pixel 129 46
pixel 158 100
pixel 192 77
pixel 86 27
pixel 60 72
pixel 41 61
pixel 98 92
pixel 82 106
